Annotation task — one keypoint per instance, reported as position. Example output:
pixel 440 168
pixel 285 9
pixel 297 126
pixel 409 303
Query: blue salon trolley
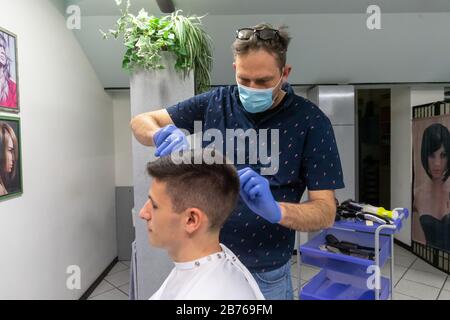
pixel 345 277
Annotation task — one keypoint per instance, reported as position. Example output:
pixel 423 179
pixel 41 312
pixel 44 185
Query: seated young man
pixel 187 206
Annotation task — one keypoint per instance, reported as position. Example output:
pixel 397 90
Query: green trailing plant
pixel 147 37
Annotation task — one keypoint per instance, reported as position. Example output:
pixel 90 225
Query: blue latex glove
pixel 255 191
pixel 168 140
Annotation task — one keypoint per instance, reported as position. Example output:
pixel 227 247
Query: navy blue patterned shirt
pixel 307 158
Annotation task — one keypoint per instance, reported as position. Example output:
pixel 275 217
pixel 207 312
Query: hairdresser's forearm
pixel 309 216
pixel 145 125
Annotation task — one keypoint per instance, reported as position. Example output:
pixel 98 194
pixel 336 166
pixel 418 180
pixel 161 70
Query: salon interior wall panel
pixel 151 90
pixel 338 103
pixel 122 137
pixel 124 223
pixel 345 139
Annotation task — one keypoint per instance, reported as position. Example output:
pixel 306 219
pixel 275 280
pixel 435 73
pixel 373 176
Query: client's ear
pixel 194 220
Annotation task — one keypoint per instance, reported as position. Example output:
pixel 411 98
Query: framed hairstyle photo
pixel 10 158
pixel 9 78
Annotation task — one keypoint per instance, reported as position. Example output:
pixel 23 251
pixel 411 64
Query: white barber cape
pixel 220 276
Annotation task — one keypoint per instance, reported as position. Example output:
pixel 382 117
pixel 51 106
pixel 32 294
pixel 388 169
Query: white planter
pixel 149 91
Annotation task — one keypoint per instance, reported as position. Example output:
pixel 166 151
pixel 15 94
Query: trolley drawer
pixel 311 254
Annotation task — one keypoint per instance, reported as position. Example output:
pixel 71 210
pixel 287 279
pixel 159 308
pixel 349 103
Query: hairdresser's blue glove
pixel 168 140
pixel 255 191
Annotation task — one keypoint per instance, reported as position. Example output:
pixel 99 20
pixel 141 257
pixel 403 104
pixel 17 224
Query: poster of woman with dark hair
pixel 9 98
pixel 431 199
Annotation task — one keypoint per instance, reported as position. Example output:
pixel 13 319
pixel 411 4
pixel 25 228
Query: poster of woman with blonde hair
pixel 9 98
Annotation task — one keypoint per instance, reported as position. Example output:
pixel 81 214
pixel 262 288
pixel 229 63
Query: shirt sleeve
pixel 321 165
pixel 184 113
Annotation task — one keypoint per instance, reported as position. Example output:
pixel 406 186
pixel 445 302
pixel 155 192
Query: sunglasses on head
pixel 263 34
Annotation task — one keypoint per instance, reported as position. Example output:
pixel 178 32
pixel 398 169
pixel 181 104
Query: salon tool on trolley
pixel 349 248
pixel 367 208
pixel 349 211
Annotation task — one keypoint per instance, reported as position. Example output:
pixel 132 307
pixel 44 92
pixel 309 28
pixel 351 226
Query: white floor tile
pixel 401 251
pixel 294 270
pixel 400 255
pixel 119 279
pixel 400 296
pixel 295 282
pixel 424 266
pixel 307 272
pixel 447 284
pixel 125 288
pixel 445 295
pixel 295 285
pixel 126 262
pixel 417 290
pixel 293 259
pixel 427 278
pixel 404 261
pixel 117 268
pixel 114 294
pixel 101 288
pixel 399 272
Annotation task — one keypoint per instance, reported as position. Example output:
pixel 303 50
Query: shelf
pixel 311 253
pixel 329 285
pixel 362 227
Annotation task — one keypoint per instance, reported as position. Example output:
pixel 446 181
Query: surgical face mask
pixel 256 100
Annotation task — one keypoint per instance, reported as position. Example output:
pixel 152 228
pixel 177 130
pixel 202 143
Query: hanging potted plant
pixel 147 38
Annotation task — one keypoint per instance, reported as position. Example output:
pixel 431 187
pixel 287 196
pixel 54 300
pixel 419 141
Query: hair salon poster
pixel 9 92
pixel 431 186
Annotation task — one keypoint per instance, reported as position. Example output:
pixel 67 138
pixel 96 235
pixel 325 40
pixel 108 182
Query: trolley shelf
pixel 312 255
pixel 327 286
pixel 363 227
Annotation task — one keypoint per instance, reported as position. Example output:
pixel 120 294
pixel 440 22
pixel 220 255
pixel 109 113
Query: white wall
pixel 122 138
pixel 402 101
pixel 338 48
pixel 326 48
pixel 401 155
pixel 66 214
pixel 426 94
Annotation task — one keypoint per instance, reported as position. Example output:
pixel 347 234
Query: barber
pixel 261 229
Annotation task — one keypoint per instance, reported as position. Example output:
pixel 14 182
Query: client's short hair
pixel 212 188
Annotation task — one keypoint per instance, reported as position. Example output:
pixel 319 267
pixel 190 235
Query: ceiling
pixel 253 7
pixel 335 47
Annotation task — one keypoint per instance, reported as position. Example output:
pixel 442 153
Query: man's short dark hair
pixel 277 46
pixel 212 188
pixel 434 137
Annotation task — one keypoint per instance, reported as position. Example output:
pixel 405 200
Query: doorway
pixel 374 146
